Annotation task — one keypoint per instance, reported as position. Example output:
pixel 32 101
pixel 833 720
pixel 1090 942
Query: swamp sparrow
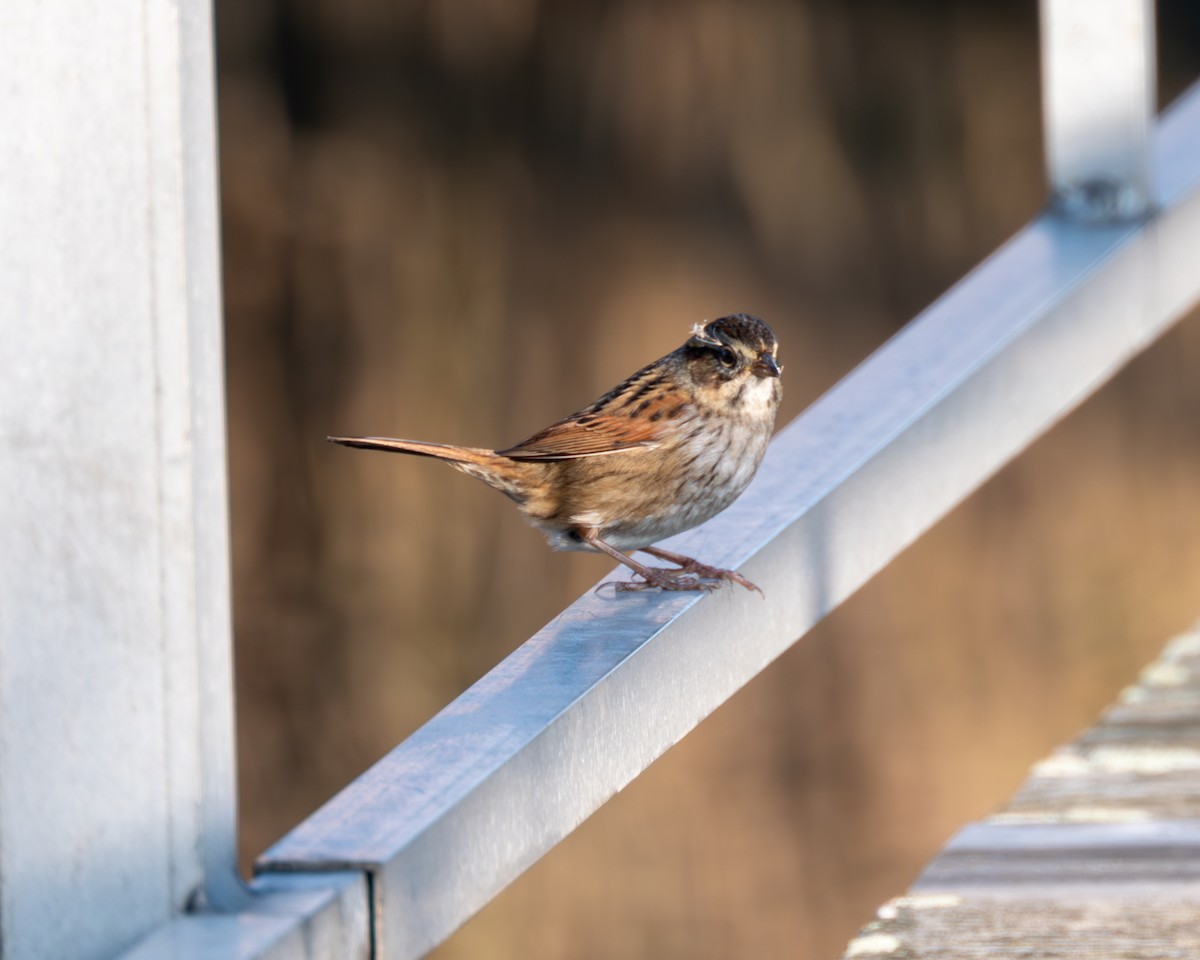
pixel 662 452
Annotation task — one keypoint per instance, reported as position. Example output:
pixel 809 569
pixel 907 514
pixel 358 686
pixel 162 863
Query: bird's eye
pixel 726 356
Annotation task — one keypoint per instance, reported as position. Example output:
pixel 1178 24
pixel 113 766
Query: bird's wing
pixel 586 435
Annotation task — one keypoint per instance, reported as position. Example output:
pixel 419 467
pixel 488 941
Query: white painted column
pixel 117 801
pixel 1098 93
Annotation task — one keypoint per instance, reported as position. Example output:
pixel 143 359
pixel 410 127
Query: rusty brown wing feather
pixel 585 435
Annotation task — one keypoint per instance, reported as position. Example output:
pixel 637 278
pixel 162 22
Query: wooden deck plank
pixel 1097 855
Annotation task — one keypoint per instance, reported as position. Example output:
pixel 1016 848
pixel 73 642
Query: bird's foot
pixel 702 570
pixel 655 578
pixel 705 572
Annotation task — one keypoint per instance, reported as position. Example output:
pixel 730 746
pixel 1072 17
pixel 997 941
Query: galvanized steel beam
pixel 308 917
pixel 117 800
pixel 1098 92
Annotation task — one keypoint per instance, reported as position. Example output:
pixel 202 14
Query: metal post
pixel 116 747
pixel 1098 90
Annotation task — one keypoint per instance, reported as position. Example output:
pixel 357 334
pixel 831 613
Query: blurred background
pixel 458 220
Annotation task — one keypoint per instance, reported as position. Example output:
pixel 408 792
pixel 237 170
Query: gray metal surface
pixel 1098 83
pixel 117 795
pixel 310 917
pixel 460 809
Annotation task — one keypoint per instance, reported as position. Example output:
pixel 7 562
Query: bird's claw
pixel 689 577
pixel 667 580
pixel 705 572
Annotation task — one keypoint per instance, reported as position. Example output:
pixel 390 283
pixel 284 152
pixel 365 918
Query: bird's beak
pixel 766 366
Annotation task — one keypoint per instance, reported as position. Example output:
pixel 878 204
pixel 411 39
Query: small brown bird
pixel 659 454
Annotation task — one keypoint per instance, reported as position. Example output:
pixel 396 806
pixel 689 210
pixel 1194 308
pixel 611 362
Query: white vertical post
pixel 116 746
pixel 1098 91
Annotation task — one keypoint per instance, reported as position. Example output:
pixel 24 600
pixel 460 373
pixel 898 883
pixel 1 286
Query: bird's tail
pixel 496 471
pixel 476 456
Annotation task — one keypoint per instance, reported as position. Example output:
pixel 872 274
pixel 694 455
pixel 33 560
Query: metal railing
pixel 411 849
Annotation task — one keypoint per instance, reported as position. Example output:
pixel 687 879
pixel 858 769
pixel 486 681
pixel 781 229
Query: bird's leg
pixel 655 578
pixel 702 570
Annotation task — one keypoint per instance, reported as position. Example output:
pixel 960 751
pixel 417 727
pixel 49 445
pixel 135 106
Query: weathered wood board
pixel 1098 854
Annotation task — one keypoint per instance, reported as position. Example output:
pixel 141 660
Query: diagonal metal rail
pixel 505 772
